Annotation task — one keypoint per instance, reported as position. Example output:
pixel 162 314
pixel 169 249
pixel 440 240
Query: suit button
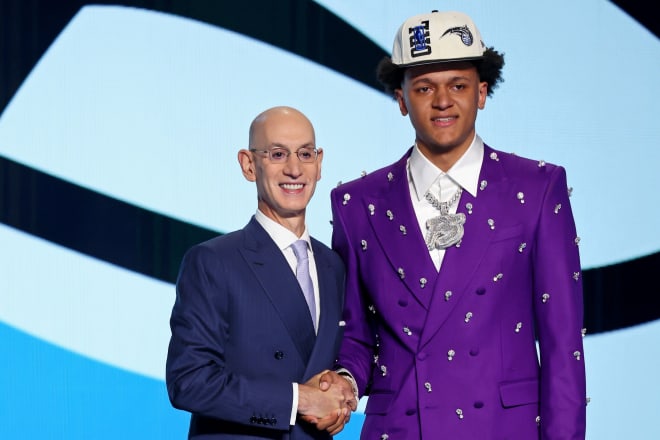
pixel 411 412
pixel 478 404
pixel 279 355
pixel 481 291
pixel 474 351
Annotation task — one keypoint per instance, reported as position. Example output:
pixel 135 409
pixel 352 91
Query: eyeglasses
pixel 281 155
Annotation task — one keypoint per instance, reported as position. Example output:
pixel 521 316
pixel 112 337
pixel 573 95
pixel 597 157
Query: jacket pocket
pixel 522 392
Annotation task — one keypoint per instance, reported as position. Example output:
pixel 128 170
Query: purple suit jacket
pixel 454 354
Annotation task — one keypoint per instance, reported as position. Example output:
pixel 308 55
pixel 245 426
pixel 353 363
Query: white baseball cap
pixel 437 37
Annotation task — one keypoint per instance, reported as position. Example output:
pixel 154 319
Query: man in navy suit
pixel 247 348
pixel 460 258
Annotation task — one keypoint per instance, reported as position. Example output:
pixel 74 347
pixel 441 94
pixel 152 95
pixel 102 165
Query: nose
pixel 441 99
pixel 293 166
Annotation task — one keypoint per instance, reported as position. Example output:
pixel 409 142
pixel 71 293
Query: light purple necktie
pixel 302 273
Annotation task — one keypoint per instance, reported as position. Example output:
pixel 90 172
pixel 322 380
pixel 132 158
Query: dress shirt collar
pixel 465 171
pixel 282 237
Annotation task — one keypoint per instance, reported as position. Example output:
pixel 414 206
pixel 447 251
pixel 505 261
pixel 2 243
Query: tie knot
pixel 300 249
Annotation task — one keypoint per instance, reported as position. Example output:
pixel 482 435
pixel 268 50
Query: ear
pixel 398 95
pixel 245 160
pixel 483 94
pixel 319 159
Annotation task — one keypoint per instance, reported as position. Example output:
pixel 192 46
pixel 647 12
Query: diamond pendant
pixel 444 231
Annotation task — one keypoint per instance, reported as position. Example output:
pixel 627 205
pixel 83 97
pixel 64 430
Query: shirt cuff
pixel 294 406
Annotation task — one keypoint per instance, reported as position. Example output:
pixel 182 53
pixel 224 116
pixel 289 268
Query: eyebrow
pixel 430 81
pixel 279 145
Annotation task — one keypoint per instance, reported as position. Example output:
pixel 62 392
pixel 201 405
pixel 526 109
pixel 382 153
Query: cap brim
pixel 452 60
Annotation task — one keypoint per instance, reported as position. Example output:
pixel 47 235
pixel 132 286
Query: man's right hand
pixel 329 379
pixel 327 392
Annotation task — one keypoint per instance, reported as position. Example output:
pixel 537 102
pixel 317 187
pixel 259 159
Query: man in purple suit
pixel 460 258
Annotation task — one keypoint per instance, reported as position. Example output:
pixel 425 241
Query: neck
pixel 444 160
pixel 294 223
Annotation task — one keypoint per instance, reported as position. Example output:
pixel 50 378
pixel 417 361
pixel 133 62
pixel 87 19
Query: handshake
pixel 326 401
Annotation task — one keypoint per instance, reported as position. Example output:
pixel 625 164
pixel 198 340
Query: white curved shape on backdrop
pixel 84 305
pixel 578 92
pixel 152 109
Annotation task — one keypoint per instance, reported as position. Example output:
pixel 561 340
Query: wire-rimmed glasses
pixel 281 155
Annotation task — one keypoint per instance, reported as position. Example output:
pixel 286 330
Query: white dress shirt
pixel 422 175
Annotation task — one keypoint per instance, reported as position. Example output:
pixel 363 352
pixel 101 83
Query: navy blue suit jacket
pixel 241 334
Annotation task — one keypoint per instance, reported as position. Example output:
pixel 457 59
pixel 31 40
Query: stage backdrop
pixel 119 127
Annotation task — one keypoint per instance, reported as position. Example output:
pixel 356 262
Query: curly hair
pixel 489 69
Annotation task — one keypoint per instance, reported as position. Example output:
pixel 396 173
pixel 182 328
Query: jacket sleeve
pixel 558 304
pixel 358 345
pixel 198 375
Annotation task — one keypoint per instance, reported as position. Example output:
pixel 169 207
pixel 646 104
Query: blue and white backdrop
pixel 119 127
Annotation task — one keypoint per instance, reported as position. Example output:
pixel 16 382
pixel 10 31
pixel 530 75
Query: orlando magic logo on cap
pixel 464 32
pixel 437 37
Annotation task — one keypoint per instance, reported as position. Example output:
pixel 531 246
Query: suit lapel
pixel 280 286
pixel 327 289
pixel 395 225
pixel 330 304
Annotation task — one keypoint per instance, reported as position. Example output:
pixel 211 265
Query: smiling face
pixel 283 189
pixel 442 101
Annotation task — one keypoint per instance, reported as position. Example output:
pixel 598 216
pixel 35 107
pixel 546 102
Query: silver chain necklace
pixel 443 207
pixel 446 229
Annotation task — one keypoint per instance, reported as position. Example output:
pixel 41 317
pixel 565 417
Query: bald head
pixel 285 182
pixel 281 117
